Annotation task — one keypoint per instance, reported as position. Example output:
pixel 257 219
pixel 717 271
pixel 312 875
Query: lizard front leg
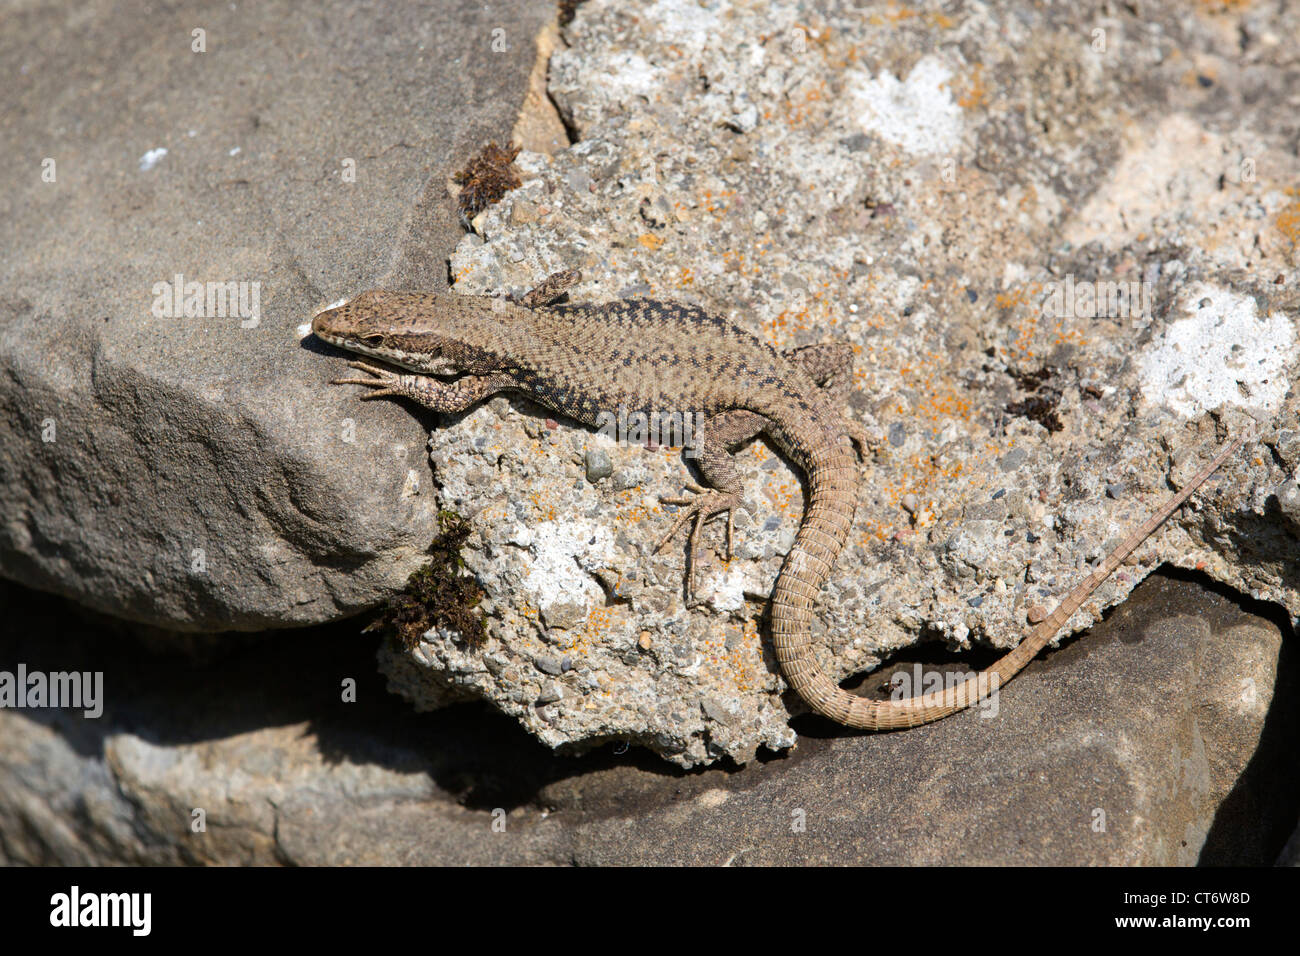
pixel 434 393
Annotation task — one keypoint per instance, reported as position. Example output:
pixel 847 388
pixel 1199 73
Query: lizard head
pixel 435 334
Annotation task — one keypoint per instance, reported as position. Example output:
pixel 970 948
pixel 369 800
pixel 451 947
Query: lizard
pixel 448 352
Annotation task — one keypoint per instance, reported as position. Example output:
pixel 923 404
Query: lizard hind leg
pixel 830 366
pixel 710 449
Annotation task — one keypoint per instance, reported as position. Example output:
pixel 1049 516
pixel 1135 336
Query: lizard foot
pixel 385 382
pixel 705 505
pixel 863 439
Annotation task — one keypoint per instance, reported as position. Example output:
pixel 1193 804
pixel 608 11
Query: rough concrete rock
pixel 1054 259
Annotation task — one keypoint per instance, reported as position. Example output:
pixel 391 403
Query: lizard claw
pixel 386 381
pixel 707 504
pixel 862 439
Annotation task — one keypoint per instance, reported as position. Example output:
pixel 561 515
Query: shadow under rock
pixel 211 687
pixel 1259 813
pixel 218 686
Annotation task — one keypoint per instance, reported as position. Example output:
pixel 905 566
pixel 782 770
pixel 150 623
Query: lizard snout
pixel 320 322
pixel 326 323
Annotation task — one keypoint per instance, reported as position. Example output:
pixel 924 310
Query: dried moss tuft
pixel 437 594
pixel 488 177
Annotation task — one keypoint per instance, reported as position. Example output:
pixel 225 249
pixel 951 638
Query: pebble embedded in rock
pixel 1013 459
pixel 625 478
pixel 598 465
pixel 548 665
pixel 1288 499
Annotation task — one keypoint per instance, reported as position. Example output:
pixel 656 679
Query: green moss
pixel 438 594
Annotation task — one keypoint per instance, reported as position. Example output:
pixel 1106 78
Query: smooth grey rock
pixel 1170 723
pixel 598 465
pixel 1013 459
pixel 199 473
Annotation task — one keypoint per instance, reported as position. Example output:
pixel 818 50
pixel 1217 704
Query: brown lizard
pixel 580 360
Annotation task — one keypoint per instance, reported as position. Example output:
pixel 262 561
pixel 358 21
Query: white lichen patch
pixel 152 158
pixel 631 75
pixel 1225 352
pixel 564 555
pixel 729 589
pixel 917 113
pixel 685 24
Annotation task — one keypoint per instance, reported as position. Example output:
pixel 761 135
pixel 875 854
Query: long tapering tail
pixel 820 539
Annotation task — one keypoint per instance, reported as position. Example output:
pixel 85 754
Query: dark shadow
pixel 184 689
pixel 1261 811
pixel 930 656
pixel 173 689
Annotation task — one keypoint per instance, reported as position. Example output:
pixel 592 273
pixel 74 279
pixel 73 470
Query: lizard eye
pixel 375 338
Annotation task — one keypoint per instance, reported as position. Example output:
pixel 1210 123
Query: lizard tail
pixel 808 564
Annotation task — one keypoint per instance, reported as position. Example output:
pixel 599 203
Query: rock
pixel 1288 499
pixel 197 472
pixel 548 665
pixel 200 474
pixel 1013 459
pixel 598 465
pixel 1082 463
pixel 551 692
pixel 1164 736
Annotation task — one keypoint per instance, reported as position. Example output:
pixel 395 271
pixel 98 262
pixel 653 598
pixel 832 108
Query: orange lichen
pixel 1288 220
pixel 895 14
pixel 1032 332
pixel 802 106
pixel 972 93
pixel 1224 6
pixel 719 203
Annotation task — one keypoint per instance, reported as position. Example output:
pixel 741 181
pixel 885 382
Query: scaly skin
pixel 644 355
